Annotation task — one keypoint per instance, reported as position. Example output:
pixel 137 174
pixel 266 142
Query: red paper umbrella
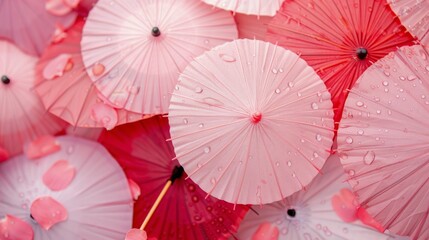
pixel 22 116
pixel 383 140
pixel 134 50
pixel 251 122
pixel 67 91
pixel 339 39
pixel 184 212
pixel 32 24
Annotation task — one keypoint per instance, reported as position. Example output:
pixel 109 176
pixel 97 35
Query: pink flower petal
pixel 57 7
pixel 105 115
pixel 136 234
pixel 47 212
pixel 14 228
pixel 71 3
pixel 59 175
pixel 367 219
pixel 57 66
pixel 345 205
pixel 98 69
pixel 42 146
pixel 266 231
pixel 4 155
pixel 134 188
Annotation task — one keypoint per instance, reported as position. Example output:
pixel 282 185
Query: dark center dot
pixel 31 216
pixel 5 79
pixel 291 212
pixel 361 53
pixel 177 173
pixel 156 32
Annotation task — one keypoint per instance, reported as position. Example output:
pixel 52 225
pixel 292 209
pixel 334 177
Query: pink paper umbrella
pixel 252 27
pixel 78 192
pixel 414 15
pixel 325 210
pixel 134 50
pixel 383 141
pixel 67 91
pixel 23 117
pixel 183 212
pixel 30 25
pixel 249 7
pixel 339 39
pixel 251 122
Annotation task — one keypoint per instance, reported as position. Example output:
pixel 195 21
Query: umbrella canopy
pixel 135 52
pixel 78 192
pixel 414 15
pixel 315 213
pixel 23 117
pixel 249 7
pixel 383 141
pixel 67 91
pixel 252 27
pixel 30 25
pixel 339 39
pixel 184 212
pixel 251 122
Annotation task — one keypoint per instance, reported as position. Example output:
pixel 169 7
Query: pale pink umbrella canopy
pixel 252 27
pixel 383 141
pixel 67 91
pixel 251 122
pixel 30 25
pixel 249 7
pixel 414 15
pixel 79 192
pixel 310 213
pixel 22 117
pixel 134 50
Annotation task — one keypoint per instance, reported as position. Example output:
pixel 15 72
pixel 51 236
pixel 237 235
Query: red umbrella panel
pixel 185 212
pixel 339 39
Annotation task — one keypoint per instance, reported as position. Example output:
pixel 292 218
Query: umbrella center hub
pixel 361 53
pixel 156 32
pixel 291 212
pixel 5 79
pixel 256 117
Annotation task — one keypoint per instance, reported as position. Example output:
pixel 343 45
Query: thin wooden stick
pixel 155 205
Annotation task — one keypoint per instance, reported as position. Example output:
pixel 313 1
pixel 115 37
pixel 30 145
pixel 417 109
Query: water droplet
pixel 212 102
pixel 293 175
pixel 349 140
pixel 206 41
pixel 281 70
pixel 314 106
pixel 290 84
pixel 359 103
pixel 198 90
pixel 411 78
pixel 195 199
pixel 378 111
pixel 277 164
pixel 352 172
pixel 289 163
pixel 386 73
pixel 423 96
pixel 274 71
pixel 318 137
pixel 21 194
pixel 213 180
pixel 299 94
pixel 360 132
pixel 191 188
pixel 369 157
pixel 318 226
pixel 98 69
pixel 201 125
pixel 133 89
pixel 176 87
pixel 315 154
pixel 207 149
pixel 227 58
pixel 197 218
pixel 385 83
pixel 24 206
pixel 427 68
pixel 284 231
pixel 277 91
pixel 185 121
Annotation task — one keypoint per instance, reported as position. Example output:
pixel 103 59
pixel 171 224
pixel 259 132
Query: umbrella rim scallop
pixel 135 53
pixel 24 118
pixel 382 131
pixel 311 210
pixel 24 181
pixel 70 94
pixel 261 8
pixel 228 127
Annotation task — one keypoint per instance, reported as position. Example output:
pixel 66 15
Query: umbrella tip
pixel 177 173
pixel 156 32
pixel 361 53
pixel 291 212
pixel 256 117
pixel 5 79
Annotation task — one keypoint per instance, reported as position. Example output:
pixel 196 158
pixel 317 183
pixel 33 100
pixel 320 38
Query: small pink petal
pixel 368 220
pixel 134 188
pixel 105 115
pixel 57 7
pixel 4 155
pixel 14 228
pixel 136 234
pixel 59 175
pixel 345 205
pixel 47 212
pixel 98 69
pixel 56 67
pixel 266 231
pixel 42 146
pixel 71 3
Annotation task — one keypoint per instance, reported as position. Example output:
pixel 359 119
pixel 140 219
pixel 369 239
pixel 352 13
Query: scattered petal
pixel 57 66
pixel 136 234
pixel 57 7
pixel 98 69
pixel 345 205
pixel 134 188
pixel 14 228
pixel 59 175
pixel 4 155
pixel 42 146
pixel 105 115
pixel 368 220
pixel 266 231
pixel 48 212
